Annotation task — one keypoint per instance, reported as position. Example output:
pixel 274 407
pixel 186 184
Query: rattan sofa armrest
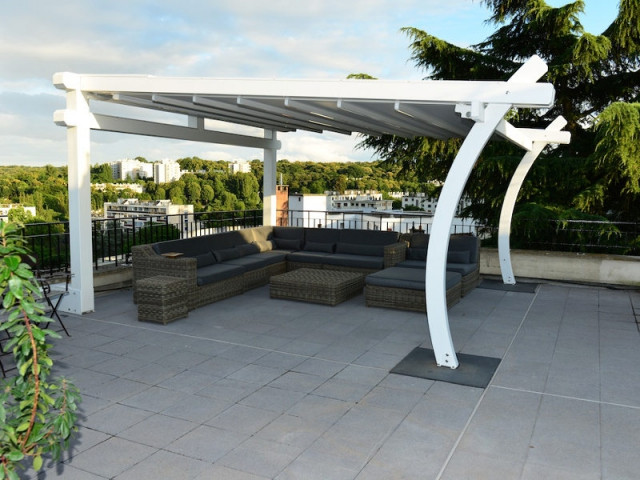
pixel 394 253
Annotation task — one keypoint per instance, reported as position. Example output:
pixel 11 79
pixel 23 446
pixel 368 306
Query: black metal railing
pixel 112 239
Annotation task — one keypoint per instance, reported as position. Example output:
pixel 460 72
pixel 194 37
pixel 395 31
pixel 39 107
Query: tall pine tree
pixel 597 82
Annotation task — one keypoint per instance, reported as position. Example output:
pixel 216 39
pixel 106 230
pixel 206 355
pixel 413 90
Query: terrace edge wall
pixel 566 266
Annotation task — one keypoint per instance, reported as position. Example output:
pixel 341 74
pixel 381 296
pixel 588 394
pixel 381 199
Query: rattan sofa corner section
pixel 394 254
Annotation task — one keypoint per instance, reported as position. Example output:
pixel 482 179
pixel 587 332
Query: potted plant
pixel 37 415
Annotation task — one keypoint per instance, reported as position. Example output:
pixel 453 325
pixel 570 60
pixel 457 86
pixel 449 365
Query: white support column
pixel 80 299
pixel 504 227
pixel 436 268
pixel 269 182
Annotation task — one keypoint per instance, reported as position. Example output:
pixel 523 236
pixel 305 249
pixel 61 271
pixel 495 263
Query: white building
pixel 134 212
pixel 239 166
pixel 358 200
pixel 6 207
pixel 166 171
pixel 162 172
pixel 429 204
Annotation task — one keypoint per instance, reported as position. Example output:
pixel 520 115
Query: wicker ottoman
pixel 162 299
pixel 328 287
pixel 403 288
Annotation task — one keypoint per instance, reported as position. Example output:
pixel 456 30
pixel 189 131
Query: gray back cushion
pixel 368 237
pixel 322 235
pixel 459 243
pixel 290 233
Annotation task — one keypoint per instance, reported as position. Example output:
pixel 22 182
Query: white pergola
pixel 474 111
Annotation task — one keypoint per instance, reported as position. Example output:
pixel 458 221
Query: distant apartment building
pixel 166 171
pixel 162 172
pixel 239 166
pixel 5 208
pixel 135 213
pixel 357 200
pixel 314 210
pixel 429 204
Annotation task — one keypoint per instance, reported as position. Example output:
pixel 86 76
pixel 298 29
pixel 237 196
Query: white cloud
pixel 219 38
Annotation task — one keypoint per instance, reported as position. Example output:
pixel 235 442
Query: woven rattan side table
pixel 328 287
pixel 162 299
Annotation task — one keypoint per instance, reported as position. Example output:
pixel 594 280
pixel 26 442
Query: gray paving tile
pixel 188 381
pixel 152 373
pixel 206 443
pixel 115 418
pixel 154 399
pixel 292 430
pixel 196 408
pixel 228 389
pixel 260 457
pixel 317 408
pixel 157 430
pixel 297 382
pixel 217 472
pixel 342 390
pixel 111 457
pixel 163 464
pixel 502 426
pixel 619 437
pixel 567 436
pixel 243 419
pixel 258 374
pixel 274 399
pixel 481 467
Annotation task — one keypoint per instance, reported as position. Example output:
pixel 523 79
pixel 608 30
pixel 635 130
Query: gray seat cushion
pixel 217 273
pixel 309 257
pixel 409 278
pixel 461 268
pixel 355 261
pixel 258 260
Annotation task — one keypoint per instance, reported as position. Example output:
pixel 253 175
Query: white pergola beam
pixel 522 93
pixel 69 118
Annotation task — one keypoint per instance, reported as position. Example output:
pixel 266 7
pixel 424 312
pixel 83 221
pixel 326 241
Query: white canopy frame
pixel 437 109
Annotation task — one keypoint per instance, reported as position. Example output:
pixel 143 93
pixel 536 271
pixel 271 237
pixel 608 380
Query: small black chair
pixel 53 296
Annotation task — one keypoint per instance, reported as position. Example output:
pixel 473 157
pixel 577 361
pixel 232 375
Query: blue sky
pixel 243 38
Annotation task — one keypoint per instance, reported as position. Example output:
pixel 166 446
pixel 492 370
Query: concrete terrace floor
pixel 255 388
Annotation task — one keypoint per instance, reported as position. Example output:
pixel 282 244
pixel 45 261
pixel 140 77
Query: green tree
pixel 597 82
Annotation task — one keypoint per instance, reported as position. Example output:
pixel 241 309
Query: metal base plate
pixel 499 285
pixel 473 370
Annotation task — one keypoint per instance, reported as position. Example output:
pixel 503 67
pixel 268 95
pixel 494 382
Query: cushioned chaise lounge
pixel 463 257
pixel 403 288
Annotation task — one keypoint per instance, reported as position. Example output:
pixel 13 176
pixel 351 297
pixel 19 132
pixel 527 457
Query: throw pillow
pixel 226 254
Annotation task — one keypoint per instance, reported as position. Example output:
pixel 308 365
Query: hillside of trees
pixel 209 185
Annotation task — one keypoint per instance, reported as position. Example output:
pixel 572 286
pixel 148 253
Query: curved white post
pixel 436 268
pixel 504 227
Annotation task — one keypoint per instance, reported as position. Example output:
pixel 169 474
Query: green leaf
pixel 37 462
pixel 15 286
pixel 12 261
pixel 15 455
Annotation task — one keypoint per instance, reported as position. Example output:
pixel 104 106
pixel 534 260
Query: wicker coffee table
pixel 328 287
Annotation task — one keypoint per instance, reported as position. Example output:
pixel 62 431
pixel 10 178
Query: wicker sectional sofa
pixel 226 264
